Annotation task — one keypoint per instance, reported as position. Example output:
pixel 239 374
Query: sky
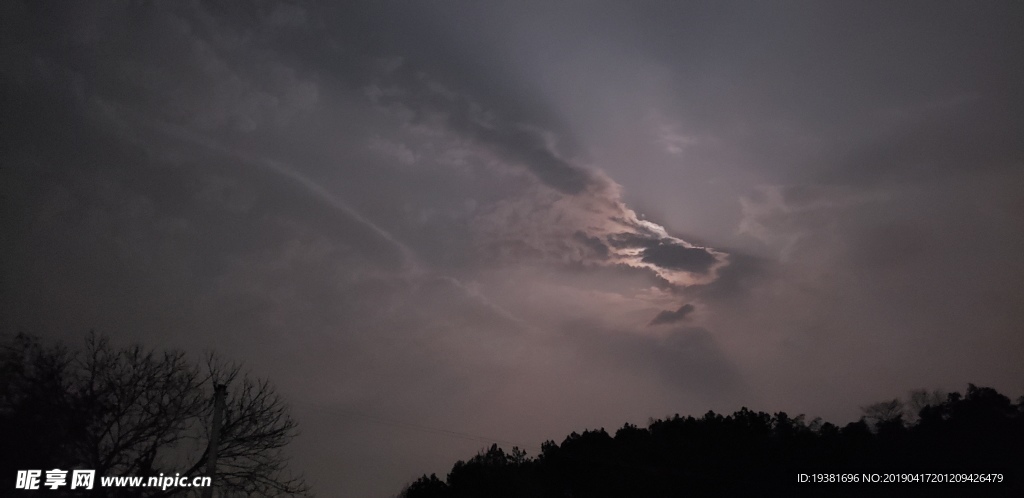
pixel 437 225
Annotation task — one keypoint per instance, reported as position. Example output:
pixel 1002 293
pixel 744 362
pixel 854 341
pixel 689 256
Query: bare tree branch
pixel 137 412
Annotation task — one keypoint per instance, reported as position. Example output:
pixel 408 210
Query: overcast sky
pixel 513 220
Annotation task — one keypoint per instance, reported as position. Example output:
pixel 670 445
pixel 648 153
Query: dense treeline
pixel 755 453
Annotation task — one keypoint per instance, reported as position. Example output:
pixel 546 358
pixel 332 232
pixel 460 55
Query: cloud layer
pixel 516 221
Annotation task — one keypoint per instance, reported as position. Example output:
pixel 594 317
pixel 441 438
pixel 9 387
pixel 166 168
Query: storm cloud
pixel 679 257
pixel 667 316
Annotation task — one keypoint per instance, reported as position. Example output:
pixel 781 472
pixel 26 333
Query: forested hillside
pixel 978 436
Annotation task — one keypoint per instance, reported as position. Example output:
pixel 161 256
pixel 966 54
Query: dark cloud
pixel 678 257
pixel 529 148
pixel 743 273
pixel 668 317
pixel 520 142
pixel 594 244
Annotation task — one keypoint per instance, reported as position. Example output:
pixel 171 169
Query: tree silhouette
pixel 137 412
pixel 753 453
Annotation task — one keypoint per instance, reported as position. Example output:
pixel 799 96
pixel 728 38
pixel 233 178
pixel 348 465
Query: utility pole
pixel 219 391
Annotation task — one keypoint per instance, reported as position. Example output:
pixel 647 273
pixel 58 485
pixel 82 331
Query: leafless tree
pixel 132 411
